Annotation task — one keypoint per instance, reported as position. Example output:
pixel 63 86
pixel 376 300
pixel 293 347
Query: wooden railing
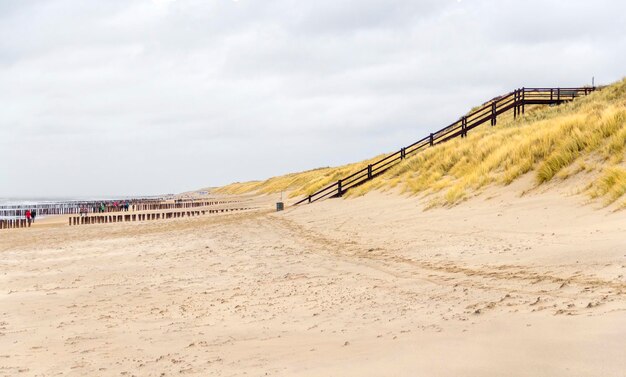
pixel 515 100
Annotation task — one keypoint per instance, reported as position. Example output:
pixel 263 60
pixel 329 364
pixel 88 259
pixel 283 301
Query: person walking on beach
pixel 28 216
pixel 33 214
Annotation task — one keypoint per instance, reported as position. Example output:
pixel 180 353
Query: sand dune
pixel 372 286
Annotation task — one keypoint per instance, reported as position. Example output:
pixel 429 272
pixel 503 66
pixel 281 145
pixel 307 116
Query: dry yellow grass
pixel 297 184
pixel 553 143
pixel 610 186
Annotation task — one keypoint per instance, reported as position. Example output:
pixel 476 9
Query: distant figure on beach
pixel 33 214
pixel 126 206
pixel 102 207
pixel 28 216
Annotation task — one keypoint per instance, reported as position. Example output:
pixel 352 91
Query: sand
pixel 501 285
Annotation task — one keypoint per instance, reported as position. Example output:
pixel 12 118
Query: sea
pixel 33 202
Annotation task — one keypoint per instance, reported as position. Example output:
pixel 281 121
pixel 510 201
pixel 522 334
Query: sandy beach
pixel 314 189
pixel 373 286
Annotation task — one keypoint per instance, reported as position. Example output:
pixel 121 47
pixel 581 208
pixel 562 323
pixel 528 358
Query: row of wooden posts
pixel 65 208
pixel 72 208
pixel 116 218
pixel 13 223
pixel 179 205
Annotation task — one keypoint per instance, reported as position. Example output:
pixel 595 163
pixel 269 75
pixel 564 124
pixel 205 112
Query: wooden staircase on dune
pixel 515 100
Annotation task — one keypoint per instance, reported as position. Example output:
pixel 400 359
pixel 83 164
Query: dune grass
pixel 611 186
pixel 586 136
pixel 297 184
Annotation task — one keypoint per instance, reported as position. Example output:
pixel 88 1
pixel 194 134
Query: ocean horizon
pixel 34 200
pixel 8 204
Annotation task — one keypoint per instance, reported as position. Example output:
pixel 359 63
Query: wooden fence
pixel 488 112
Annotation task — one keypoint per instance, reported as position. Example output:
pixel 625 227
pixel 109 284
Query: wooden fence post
pixel 464 127
pixel 369 171
pixel 431 140
pixel 339 187
pixel 514 104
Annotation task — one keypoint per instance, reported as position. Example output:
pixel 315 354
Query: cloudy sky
pixel 154 96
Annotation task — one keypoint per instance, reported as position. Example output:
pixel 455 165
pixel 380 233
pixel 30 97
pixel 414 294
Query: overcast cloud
pixel 147 97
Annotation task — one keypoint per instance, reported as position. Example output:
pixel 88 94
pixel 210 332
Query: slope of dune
pixel 584 139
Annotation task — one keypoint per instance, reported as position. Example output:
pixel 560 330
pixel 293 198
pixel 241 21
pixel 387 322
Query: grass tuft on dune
pixel 586 137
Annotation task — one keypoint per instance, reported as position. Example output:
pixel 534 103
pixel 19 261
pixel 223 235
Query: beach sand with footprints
pixel 499 285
